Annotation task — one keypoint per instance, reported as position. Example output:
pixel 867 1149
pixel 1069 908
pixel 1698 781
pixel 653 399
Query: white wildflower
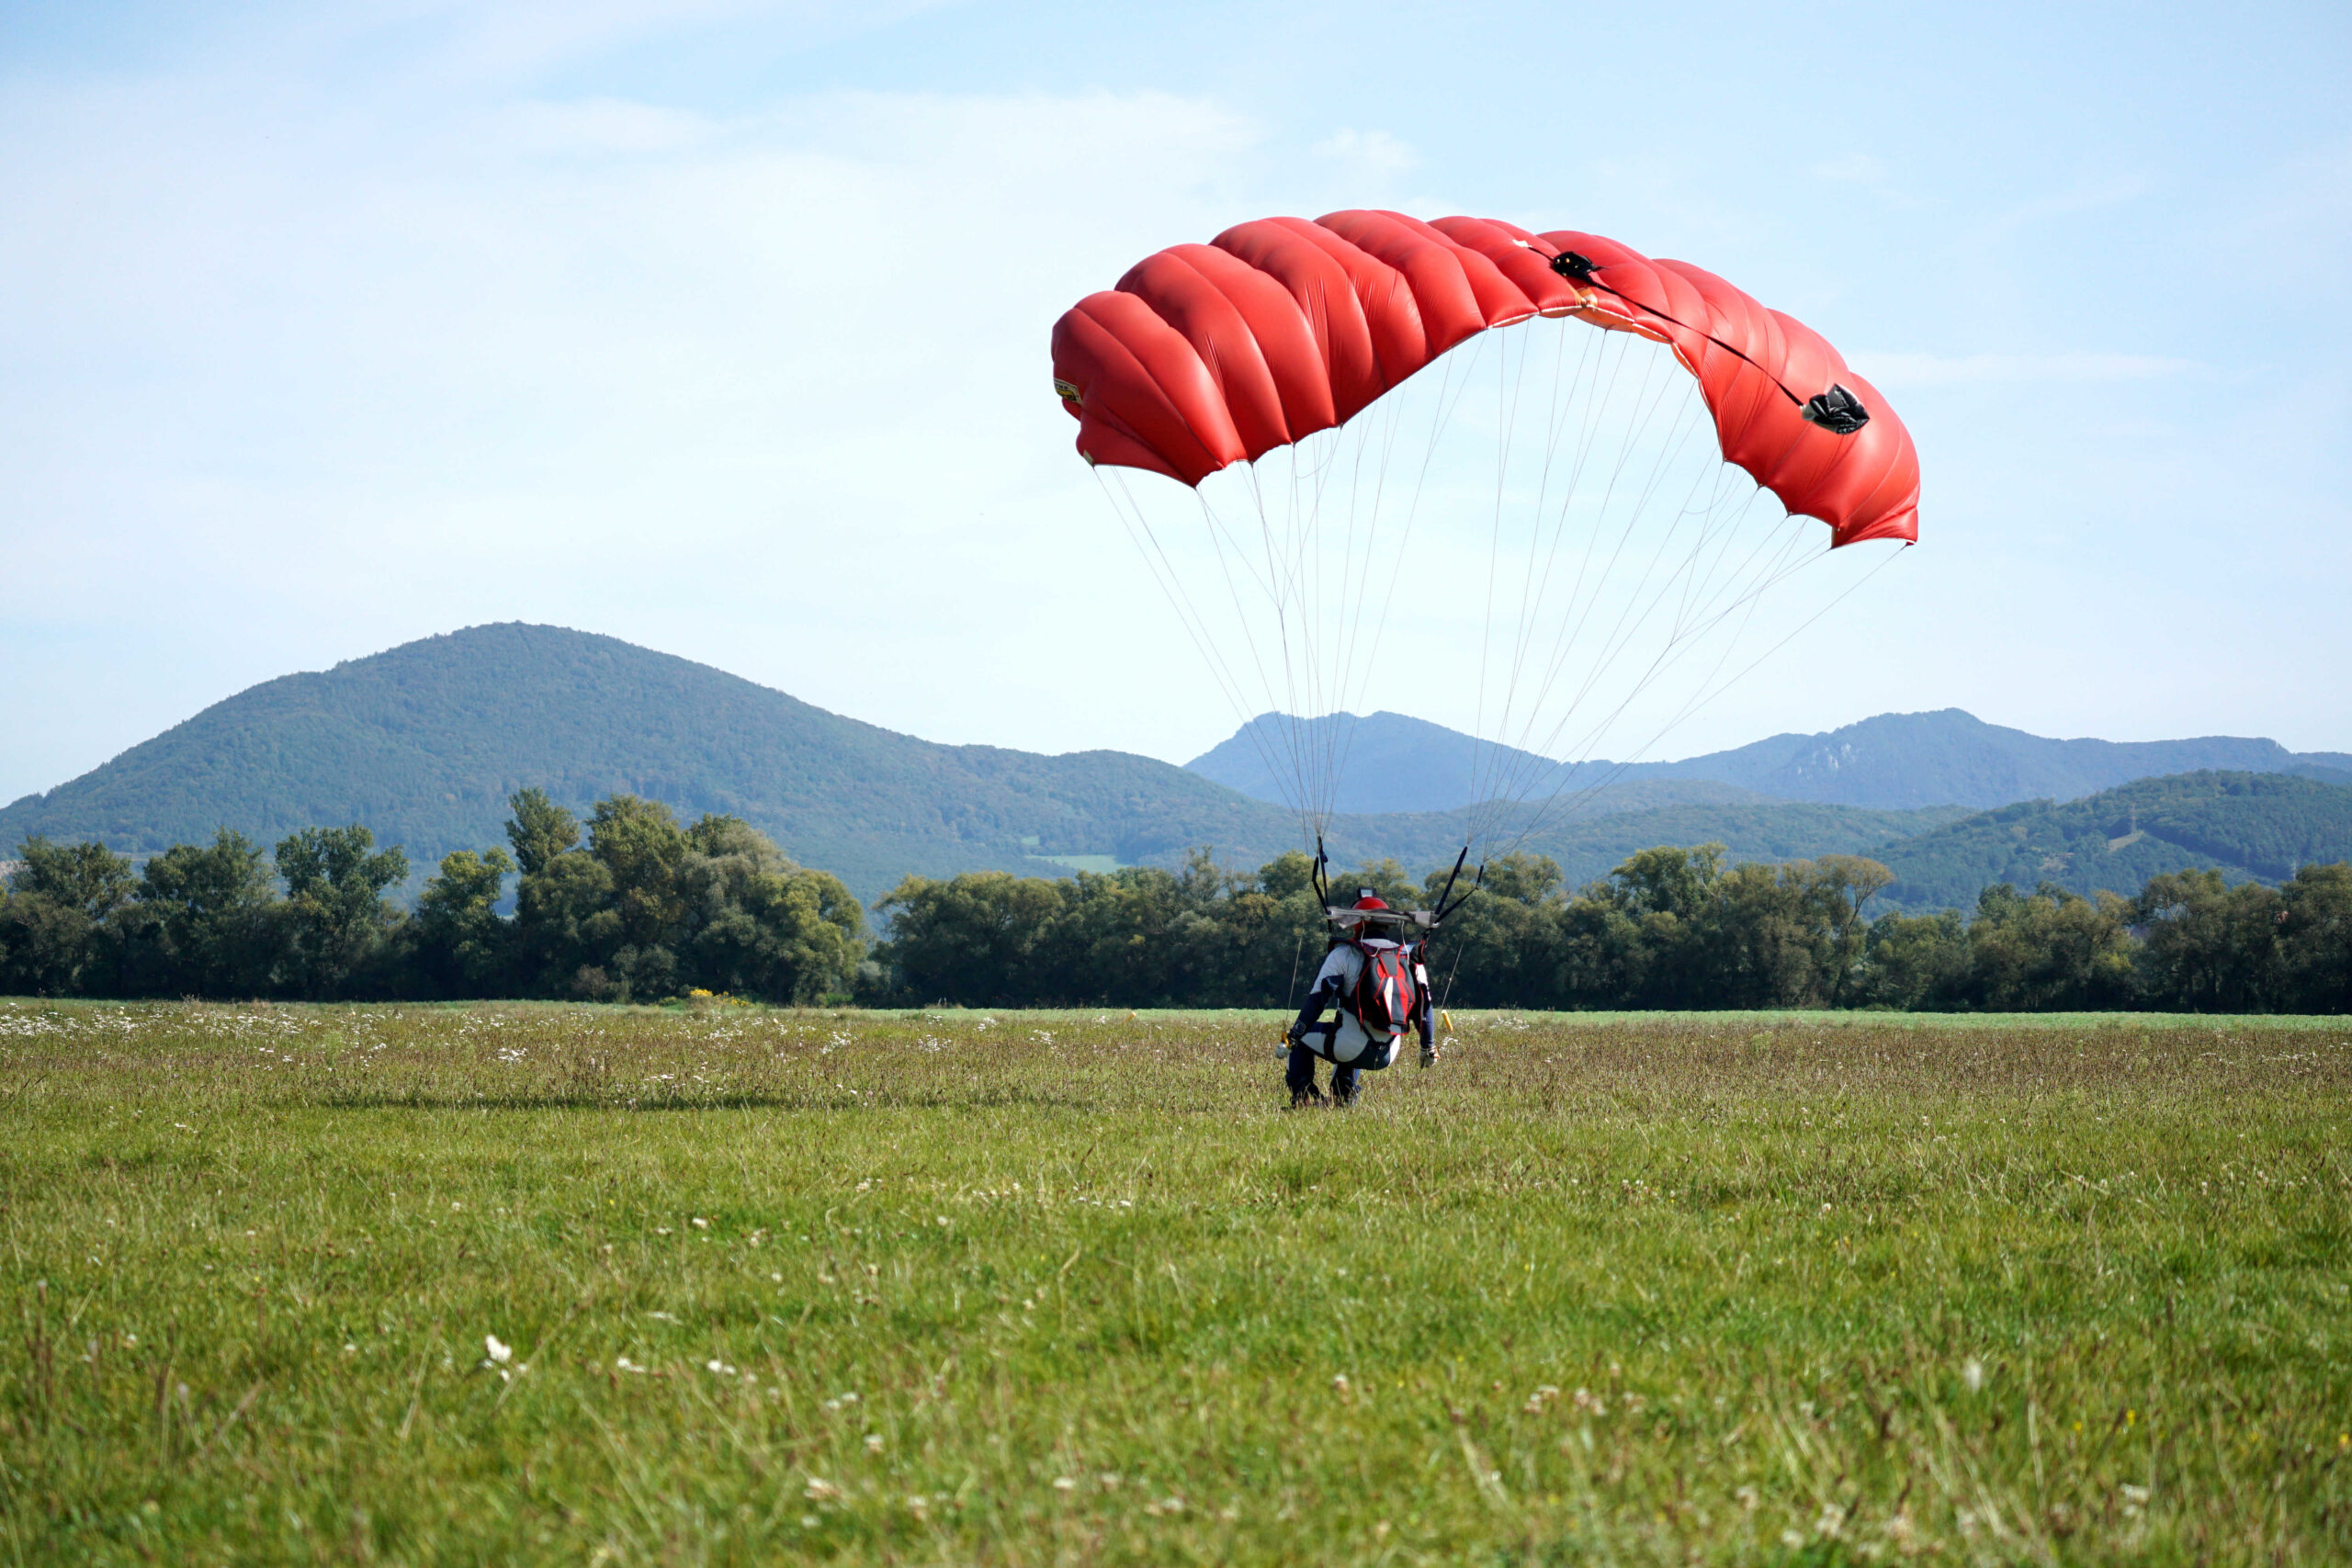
pixel 500 1351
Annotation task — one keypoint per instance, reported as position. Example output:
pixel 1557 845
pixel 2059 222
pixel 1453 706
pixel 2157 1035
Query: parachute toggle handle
pixel 1443 909
pixel 1573 267
pixel 1836 411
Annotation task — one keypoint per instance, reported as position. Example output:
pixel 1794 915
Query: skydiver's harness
pixel 1390 991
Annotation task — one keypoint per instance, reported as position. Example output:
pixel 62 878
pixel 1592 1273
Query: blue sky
pixel 721 328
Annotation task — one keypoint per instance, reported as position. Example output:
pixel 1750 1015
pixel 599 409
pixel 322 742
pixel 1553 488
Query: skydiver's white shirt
pixel 1349 1041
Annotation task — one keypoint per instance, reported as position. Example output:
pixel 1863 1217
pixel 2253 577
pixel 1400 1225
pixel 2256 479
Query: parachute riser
pixel 1836 411
pixel 1445 908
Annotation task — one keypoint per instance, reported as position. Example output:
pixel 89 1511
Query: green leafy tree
pixel 2207 946
pixel 56 919
pixel 1604 953
pixel 1916 962
pixel 540 829
pixel 973 939
pixel 334 921
pixel 634 938
pixel 754 924
pixel 211 908
pixel 1668 893
pixel 2051 951
pixel 2316 939
pixel 462 946
pixel 558 899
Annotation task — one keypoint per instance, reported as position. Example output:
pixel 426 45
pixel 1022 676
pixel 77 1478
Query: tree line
pixel 646 910
pixel 1668 928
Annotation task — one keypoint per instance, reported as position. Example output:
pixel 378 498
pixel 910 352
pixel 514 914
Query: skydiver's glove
pixel 1296 1032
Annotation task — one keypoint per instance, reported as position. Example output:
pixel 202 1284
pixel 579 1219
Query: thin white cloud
pixel 606 125
pixel 1857 168
pixel 2087 195
pixel 1892 370
pixel 434 375
pixel 1374 152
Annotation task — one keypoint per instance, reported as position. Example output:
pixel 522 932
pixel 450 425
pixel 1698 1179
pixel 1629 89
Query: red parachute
pixel 1208 355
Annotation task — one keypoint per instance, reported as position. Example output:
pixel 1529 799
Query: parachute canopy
pixel 1208 355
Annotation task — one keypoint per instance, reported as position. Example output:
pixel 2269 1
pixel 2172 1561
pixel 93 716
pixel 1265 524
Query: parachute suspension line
pixel 1533 584
pixel 1577 612
pixel 1707 567
pixel 1296 554
pixel 1634 612
pixel 1340 741
pixel 1701 700
pixel 1704 696
pixel 1281 587
pixel 1507 387
pixel 1171 582
pixel 1355 651
pixel 1646 403
pixel 1332 601
pixel 1283 700
pixel 1636 609
pixel 1188 615
pixel 1664 659
pixel 1782 569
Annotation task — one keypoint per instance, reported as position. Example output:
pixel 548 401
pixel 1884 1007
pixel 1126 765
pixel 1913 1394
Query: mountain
pixel 424 743
pixel 1895 761
pixel 1589 845
pixel 1386 761
pixel 2248 825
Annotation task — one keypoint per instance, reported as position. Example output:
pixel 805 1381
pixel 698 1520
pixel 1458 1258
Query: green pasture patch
pixel 534 1283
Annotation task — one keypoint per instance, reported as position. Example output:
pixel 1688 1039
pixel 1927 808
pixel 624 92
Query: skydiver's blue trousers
pixel 1300 1074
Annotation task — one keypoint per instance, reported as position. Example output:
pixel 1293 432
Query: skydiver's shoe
pixel 1429 1055
pixel 1305 1098
pixel 1343 1099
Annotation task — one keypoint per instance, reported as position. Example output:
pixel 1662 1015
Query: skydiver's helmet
pixel 1373 918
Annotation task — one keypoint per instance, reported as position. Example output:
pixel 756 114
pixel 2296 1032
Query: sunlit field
pixel 540 1283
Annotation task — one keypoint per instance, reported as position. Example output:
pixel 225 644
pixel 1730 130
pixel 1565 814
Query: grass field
pixel 1068 1288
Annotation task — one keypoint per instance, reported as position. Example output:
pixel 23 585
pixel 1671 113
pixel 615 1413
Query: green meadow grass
pixel 1048 1288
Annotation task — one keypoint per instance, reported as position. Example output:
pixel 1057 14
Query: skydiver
pixel 1375 981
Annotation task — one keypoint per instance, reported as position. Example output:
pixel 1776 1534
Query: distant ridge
pixel 425 742
pixel 2249 826
pixel 1895 761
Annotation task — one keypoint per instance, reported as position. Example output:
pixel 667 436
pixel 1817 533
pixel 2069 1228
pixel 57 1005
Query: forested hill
pixel 2250 826
pixel 423 744
pixel 1897 760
